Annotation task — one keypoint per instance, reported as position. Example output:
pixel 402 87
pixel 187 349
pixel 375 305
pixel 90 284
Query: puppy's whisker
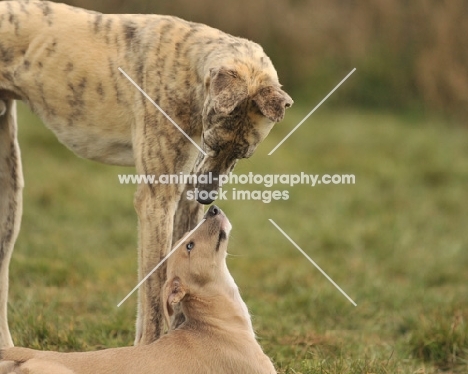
pixel 161 262
pixel 234 255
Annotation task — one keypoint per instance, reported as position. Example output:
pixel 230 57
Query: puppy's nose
pixel 213 211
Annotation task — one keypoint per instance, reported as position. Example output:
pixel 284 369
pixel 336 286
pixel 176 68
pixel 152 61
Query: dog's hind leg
pixel 11 187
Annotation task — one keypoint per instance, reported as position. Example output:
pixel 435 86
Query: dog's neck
pixel 218 309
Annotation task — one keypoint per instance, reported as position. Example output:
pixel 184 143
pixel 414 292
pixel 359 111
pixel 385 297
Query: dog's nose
pixel 213 211
pixel 206 201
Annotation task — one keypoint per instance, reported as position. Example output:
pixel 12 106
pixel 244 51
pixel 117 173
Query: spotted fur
pixel 63 63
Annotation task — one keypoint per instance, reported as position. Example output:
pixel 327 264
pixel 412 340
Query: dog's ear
pixel 272 102
pixel 227 89
pixel 173 293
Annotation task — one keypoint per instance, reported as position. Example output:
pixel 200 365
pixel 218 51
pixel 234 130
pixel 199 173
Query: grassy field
pixel 396 242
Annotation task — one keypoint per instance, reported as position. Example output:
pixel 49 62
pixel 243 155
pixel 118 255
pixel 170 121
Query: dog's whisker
pixel 161 262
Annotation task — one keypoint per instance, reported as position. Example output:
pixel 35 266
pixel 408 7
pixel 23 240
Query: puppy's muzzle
pixel 216 214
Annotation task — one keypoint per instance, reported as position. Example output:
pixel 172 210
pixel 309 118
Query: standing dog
pixel 217 336
pixel 63 63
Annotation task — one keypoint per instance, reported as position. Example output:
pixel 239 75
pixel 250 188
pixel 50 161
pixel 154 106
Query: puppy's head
pixel 199 262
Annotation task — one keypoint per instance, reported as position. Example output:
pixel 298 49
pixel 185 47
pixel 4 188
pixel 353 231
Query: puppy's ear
pixel 272 102
pixel 227 89
pixel 173 293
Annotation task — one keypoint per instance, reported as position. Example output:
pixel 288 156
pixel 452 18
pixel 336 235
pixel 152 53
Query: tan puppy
pixel 217 336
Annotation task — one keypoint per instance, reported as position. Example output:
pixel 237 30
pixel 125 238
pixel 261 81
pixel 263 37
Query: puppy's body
pixel 63 63
pixel 217 336
pixel 185 350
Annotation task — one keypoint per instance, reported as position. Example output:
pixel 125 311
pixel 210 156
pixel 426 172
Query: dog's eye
pixel 190 246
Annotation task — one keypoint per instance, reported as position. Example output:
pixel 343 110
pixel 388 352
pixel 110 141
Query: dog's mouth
pixel 211 169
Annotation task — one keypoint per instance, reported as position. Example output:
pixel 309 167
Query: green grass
pixel 396 242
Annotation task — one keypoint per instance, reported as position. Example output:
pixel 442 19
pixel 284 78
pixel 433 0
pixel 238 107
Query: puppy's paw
pixel 7 367
pixel 35 366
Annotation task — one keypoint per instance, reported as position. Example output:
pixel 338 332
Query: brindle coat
pixel 63 63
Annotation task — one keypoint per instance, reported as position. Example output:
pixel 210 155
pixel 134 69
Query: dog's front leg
pixel 189 212
pixel 160 149
pixel 155 208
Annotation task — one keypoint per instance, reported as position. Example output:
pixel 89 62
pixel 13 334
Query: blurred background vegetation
pixel 396 241
pixel 409 55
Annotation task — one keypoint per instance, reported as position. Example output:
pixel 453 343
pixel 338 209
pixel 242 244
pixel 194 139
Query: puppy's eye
pixel 190 246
